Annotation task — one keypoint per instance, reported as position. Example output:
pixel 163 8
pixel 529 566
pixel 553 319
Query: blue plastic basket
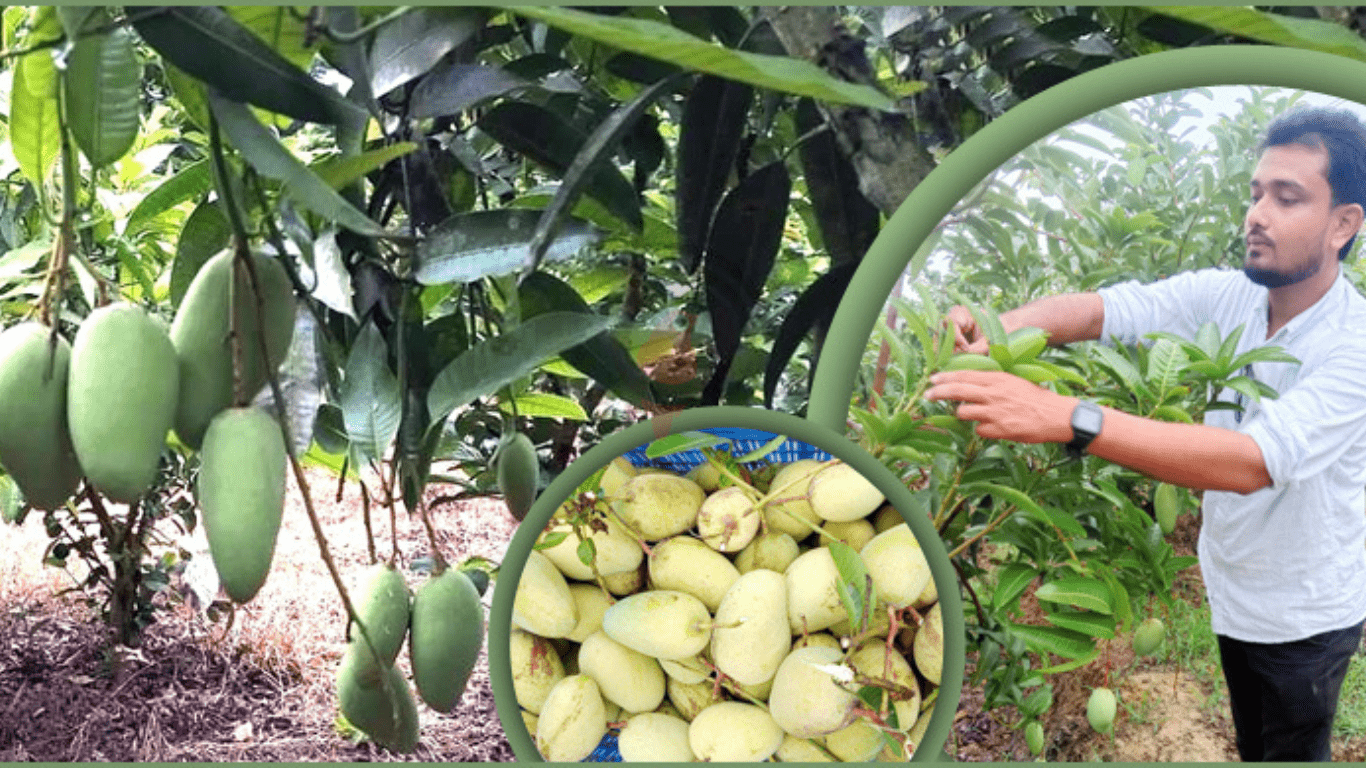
pixel 742 441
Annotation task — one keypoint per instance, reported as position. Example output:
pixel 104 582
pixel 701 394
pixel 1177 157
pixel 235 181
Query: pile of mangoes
pixel 102 407
pixel 701 616
pixel 444 626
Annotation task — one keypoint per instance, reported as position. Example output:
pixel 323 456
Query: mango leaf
pixel 596 152
pixel 103 82
pixel 269 157
pixel 498 361
pixel 206 232
pixel 741 249
pixel 190 182
pixel 34 129
pixel 370 402
pixel 11 501
pixel 544 405
pixel 763 450
pixel 709 134
pixel 333 284
pixel 1165 363
pixel 1085 622
pixel 1082 592
pixel 278 27
pixel 1066 643
pixel 848 221
pixel 470 246
pixel 452 88
pixel 1014 578
pixel 1030 507
pixel 683 441
pixel 210 45
pixel 412 44
pixel 855 585
pixel 339 171
pixel 1068 666
pixel 1273 28
pixel 814 309
pixel 551 142
pixel 603 358
pixel 668 43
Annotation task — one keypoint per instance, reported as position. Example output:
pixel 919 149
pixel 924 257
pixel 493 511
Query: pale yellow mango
pixel 874 661
pixel 661 623
pixel 790 511
pixel 684 564
pixel 728 520
pixel 795 750
pixel 897 565
pixel 929 645
pixel 692 698
pixel 813 601
pixel 536 668
pixel 807 698
pixel 733 731
pixel 854 533
pixel 542 604
pixel 658 506
pixel 590 603
pixel 652 737
pixel 751 637
pixel 631 680
pixel 615 550
pixel 857 742
pixel 619 471
pixel 573 720
pixel 841 493
pixel 774 550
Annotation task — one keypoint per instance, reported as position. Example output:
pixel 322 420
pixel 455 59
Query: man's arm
pixel 1197 456
pixel 1065 318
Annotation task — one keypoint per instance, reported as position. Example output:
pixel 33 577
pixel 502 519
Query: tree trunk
pixel 889 160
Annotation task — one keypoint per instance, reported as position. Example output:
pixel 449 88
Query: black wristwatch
pixel 1087 419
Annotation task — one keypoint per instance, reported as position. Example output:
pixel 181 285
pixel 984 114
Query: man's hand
pixel 1006 407
pixel 967 336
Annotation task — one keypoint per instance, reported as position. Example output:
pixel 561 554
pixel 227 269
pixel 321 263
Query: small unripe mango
pixel 1100 710
pixel 1148 637
pixel 519 474
pixel 1166 505
pixel 383 605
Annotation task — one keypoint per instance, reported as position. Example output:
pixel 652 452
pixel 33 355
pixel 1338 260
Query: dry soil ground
pixel 261 690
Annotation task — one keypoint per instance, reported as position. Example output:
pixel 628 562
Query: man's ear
pixel 1348 222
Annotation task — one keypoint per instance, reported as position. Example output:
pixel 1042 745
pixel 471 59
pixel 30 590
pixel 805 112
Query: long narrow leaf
pixel 673 45
pixel 413 43
pixel 370 401
pixel 478 244
pixel 190 182
pixel 709 134
pixel 601 144
pixel 498 361
pixel 1274 28
pixel 209 44
pixel 269 157
pixel 815 308
pixel 33 127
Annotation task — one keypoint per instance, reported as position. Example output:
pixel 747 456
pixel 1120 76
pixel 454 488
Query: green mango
pixel 1148 637
pixel 35 443
pixel 241 489
pixel 383 604
pixel 121 399
pixel 377 702
pixel 203 351
pixel 1034 737
pixel 519 472
pixel 1100 710
pixel 447 633
pixel 1166 506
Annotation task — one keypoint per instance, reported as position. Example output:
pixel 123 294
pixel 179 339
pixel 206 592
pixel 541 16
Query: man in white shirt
pixel 1283 531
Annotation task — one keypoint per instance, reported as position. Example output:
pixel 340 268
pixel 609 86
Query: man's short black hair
pixel 1343 136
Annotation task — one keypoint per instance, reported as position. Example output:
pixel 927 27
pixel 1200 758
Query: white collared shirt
pixel 1288 561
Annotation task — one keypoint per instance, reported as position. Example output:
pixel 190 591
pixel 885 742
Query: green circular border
pixel 839 446
pixel 1019 127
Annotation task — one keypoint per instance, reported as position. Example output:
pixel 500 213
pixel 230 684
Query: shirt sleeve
pixel 1310 427
pixel 1179 304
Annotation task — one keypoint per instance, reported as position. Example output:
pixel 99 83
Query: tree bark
pixel 888 158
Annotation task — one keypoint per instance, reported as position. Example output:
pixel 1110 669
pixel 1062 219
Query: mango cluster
pixel 706 623
pixel 102 407
pixel 444 627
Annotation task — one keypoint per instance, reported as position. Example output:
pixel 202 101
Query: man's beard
pixel 1270 278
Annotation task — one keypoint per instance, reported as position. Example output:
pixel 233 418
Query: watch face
pixel 1088 418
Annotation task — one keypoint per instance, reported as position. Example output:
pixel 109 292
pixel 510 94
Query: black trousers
pixel 1284 695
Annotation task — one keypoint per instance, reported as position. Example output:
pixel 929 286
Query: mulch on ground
pixel 259 690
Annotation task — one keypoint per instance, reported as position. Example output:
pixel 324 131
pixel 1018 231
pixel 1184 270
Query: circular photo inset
pixel 726 594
